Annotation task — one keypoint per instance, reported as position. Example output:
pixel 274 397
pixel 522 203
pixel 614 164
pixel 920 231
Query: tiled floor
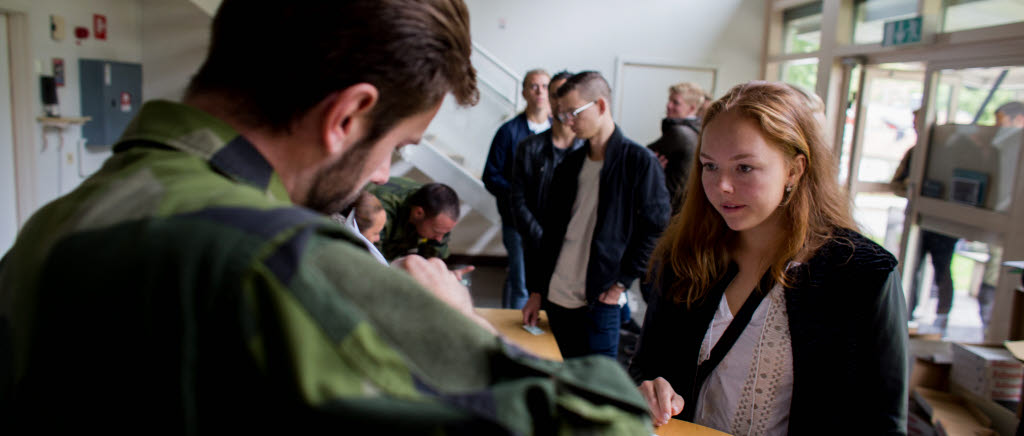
pixel 485 284
pixel 964 321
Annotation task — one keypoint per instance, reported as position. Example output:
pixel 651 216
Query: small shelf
pixel 62 122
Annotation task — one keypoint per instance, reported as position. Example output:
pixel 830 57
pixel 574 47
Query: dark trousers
pixel 514 295
pixel 986 296
pixel 591 329
pixel 940 247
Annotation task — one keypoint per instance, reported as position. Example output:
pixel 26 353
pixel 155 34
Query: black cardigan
pixel 847 321
pixel 632 211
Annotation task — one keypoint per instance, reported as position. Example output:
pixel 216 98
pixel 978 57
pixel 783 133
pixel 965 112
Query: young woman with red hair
pixel 772 314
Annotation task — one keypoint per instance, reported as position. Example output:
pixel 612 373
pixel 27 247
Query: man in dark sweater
pixel 679 133
pixel 534 164
pixel 535 119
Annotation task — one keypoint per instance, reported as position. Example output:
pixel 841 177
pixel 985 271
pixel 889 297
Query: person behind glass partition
pixel 937 245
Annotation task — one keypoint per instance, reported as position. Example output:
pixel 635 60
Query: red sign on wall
pixel 99 26
pixel 126 102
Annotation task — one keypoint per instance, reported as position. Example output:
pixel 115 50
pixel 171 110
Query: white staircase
pixel 454 152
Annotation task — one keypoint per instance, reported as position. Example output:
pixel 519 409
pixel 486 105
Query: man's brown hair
pixel 691 92
pixel 590 84
pixel 435 198
pixel 367 206
pixel 276 60
pixel 534 72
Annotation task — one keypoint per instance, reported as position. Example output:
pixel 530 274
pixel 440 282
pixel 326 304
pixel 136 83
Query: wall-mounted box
pixel 111 94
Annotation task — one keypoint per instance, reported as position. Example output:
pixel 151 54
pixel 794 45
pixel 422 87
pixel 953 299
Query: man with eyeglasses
pixel 535 119
pixel 606 206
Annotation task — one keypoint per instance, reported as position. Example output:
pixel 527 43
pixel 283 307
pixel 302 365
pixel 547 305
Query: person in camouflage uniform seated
pixel 195 285
pixel 420 218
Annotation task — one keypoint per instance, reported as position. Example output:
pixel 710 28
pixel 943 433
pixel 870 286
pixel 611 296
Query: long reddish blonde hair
pixel 696 245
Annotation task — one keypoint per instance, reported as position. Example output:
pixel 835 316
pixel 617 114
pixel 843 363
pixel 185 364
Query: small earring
pixel 789 188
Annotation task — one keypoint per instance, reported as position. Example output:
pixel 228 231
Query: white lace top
pixel 750 390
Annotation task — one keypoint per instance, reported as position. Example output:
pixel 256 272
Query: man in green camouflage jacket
pixel 420 218
pixel 192 285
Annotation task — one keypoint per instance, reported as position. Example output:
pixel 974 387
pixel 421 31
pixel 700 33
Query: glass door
pixel 881 119
pixel 966 200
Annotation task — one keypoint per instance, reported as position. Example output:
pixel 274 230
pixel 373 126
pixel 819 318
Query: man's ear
pixel 416 214
pixel 602 105
pixel 345 116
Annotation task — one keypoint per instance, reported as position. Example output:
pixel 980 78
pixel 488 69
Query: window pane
pixel 894 91
pixel 953 283
pixel 973 153
pixel 848 125
pixel 972 14
pixel 870 17
pixel 801 72
pixel 801 29
pixel 880 217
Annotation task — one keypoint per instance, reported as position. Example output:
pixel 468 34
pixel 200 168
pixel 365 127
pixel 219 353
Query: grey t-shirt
pixel 568 287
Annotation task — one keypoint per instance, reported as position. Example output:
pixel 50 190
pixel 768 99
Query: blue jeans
pixel 592 329
pixel 514 295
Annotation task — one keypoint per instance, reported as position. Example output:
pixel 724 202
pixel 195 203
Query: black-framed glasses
pixel 565 117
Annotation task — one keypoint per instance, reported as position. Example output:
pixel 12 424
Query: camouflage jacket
pixel 179 290
pixel 399 236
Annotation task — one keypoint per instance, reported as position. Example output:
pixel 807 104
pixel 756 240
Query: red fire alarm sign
pixel 126 102
pixel 99 26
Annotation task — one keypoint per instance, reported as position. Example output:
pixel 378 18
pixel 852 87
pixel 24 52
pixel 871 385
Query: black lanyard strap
pixel 729 337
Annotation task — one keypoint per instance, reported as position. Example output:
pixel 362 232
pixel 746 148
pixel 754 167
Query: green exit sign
pixel 899 32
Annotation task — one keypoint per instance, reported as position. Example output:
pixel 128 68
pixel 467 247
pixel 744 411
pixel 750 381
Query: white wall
pixel 175 37
pixel 60 169
pixel 8 196
pixel 592 34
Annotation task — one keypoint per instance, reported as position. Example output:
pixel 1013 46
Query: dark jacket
pixel 847 321
pixel 632 211
pixel 677 143
pixel 179 287
pixel 531 170
pixel 502 148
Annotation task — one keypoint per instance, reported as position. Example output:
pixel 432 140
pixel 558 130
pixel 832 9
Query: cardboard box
pixel 989 372
pixel 928 373
pixel 952 415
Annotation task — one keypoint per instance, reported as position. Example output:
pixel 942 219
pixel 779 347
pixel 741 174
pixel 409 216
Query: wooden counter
pixel 676 427
pixel 509 323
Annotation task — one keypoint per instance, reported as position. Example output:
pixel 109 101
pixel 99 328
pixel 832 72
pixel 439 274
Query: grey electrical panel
pixel 111 94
